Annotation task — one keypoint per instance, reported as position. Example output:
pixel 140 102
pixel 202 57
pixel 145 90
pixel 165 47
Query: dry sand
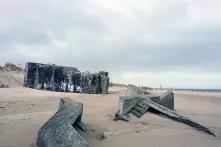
pixel 12 79
pixel 23 111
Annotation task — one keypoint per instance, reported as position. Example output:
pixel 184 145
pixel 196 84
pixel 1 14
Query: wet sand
pixel 23 111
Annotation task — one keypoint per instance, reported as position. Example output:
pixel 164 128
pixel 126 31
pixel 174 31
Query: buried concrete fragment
pixel 125 105
pixel 166 99
pixel 134 90
pixel 139 105
pixel 61 130
pixel 138 102
pixel 164 111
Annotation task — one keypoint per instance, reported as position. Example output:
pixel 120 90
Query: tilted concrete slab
pixel 139 104
pixel 175 115
pixel 166 99
pixel 134 90
pixel 61 129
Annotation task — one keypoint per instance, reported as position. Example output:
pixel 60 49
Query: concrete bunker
pixel 66 79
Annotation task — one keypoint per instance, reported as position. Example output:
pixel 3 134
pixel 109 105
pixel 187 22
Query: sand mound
pixel 11 67
pixel 11 75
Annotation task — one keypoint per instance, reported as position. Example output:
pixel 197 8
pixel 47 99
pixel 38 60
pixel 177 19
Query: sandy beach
pixel 91 51
pixel 23 111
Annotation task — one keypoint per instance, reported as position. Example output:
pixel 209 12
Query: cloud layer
pixel 165 42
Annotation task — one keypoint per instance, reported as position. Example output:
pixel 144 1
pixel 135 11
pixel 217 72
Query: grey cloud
pixel 92 35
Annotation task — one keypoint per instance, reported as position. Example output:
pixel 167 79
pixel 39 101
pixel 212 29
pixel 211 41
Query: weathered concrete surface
pixel 125 104
pixel 66 79
pixel 174 115
pixel 166 99
pixel 134 90
pixel 61 129
pixel 139 103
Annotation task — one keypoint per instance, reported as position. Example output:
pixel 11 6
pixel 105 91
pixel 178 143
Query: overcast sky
pixel 172 43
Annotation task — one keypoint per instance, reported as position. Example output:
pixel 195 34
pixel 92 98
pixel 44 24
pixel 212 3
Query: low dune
pixel 12 79
pixel 11 75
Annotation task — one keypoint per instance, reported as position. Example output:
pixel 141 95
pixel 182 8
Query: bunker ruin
pixel 66 79
pixel 138 102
